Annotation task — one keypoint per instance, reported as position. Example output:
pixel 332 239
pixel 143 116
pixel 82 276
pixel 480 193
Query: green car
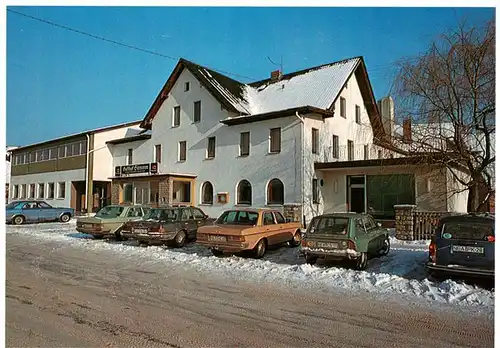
pixel 108 221
pixel 345 236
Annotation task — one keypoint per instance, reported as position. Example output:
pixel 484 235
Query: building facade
pixel 217 143
pixel 72 171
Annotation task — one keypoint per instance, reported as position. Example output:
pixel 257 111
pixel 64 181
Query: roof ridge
pixel 184 60
pixel 303 71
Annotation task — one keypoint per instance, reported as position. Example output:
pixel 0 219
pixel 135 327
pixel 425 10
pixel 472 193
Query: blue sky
pixel 60 82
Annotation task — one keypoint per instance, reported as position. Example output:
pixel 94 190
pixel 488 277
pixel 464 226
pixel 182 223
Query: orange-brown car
pixel 253 230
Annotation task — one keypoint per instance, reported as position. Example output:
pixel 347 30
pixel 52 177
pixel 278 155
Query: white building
pixel 217 143
pixel 66 170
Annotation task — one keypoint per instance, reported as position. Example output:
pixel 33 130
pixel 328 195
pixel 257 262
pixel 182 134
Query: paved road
pixel 70 297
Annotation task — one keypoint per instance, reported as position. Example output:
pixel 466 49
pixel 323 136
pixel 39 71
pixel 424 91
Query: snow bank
pixel 402 272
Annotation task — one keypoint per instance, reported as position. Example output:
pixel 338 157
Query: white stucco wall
pixel 457 193
pixel 227 168
pixel 66 176
pixel 142 152
pixel 103 157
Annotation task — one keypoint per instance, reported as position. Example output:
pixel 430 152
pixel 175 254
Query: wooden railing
pixel 425 223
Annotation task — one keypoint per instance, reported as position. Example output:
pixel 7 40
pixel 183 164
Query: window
pixel 197 111
pixel 53 153
pixel 69 151
pixel 158 153
pixel 383 192
pixel 244 193
pixel 342 107
pixel 75 149
pixel 379 154
pixel 358 114
pixel 186 214
pixel 335 146
pixel 279 217
pixel 369 223
pixel 235 217
pixel 50 190
pixel 329 225
pixel 245 144
pixel 275 140
pixel 61 189
pixel 41 191
pixel 197 213
pixel 182 151
pixel 130 153
pixel 268 218
pixel 207 193
pixel 176 122
pixel 365 152
pixel 186 86
pixel 127 193
pixel 62 151
pixel 350 150
pixel 315 140
pixel 275 192
pixel 83 147
pixel 134 212
pixel 15 192
pixel 23 191
pixel 315 191
pixel 32 191
pixel 211 147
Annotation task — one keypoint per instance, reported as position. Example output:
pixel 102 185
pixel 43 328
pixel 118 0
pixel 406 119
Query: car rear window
pixel 330 225
pixel 471 231
pixel 235 217
pixel 109 212
pixel 161 214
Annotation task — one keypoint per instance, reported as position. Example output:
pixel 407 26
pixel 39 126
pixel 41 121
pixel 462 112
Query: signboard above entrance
pixel 143 168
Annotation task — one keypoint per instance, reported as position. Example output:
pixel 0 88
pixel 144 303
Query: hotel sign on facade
pixel 144 168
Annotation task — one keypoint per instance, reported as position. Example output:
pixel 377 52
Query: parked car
pixel 345 236
pixel 19 212
pixel 108 221
pixel 463 245
pixel 249 230
pixel 173 226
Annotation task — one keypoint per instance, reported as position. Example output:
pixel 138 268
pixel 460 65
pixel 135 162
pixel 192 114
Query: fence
pixel 416 225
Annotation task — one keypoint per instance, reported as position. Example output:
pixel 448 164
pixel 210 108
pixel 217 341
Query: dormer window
pixel 186 86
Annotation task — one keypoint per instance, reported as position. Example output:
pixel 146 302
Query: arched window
pixel 275 192
pixel 244 193
pixel 207 193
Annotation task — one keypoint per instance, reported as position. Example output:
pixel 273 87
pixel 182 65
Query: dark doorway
pixel 356 194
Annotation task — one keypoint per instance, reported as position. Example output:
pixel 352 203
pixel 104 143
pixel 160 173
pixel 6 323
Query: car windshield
pixel 109 212
pixel 159 214
pixel 235 217
pixel 330 225
pixel 467 230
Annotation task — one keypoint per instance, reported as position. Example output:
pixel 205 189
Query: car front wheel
pixel 385 247
pixel 65 218
pixel 295 242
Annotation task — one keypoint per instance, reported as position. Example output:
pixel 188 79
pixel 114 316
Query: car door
pixel 374 243
pixel 31 212
pixel 199 216
pixel 46 212
pixel 188 221
pixel 285 233
pixel 361 236
pixel 271 228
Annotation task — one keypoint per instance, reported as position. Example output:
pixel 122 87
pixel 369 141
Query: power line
pixel 114 42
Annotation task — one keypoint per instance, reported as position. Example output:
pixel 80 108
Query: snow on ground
pixel 401 273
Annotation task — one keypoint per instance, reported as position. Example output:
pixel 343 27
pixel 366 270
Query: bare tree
pixel 448 93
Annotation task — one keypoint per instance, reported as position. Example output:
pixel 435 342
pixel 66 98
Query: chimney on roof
pixel 407 131
pixel 275 75
pixel 386 108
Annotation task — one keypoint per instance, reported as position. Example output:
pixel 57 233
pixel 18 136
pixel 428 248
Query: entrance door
pixel 356 192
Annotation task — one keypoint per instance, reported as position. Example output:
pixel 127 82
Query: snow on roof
pixel 317 87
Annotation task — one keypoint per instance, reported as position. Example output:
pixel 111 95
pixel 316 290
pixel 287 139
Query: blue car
pixel 463 245
pixel 19 212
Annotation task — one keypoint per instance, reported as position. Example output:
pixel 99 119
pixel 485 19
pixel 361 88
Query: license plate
pixel 140 230
pixel 467 249
pixel 217 238
pixel 327 245
pixel 87 226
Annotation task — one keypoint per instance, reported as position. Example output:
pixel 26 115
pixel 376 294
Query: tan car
pixel 108 221
pixel 249 230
